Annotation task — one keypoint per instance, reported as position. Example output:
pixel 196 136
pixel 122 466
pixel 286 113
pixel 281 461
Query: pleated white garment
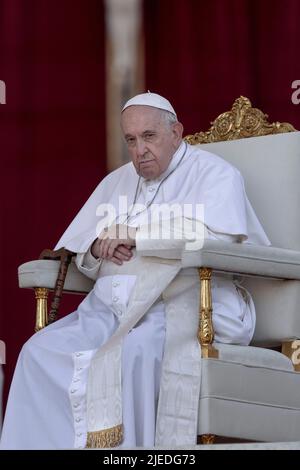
pixel 47 402
pixel 47 407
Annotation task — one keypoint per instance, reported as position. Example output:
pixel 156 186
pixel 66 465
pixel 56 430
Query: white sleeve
pixel 222 236
pixel 170 237
pixel 88 264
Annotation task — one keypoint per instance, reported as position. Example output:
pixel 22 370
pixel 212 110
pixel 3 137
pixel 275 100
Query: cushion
pixel 43 273
pixel 245 258
pixel 249 393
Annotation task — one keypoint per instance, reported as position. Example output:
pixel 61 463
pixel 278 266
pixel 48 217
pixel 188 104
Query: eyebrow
pixel 151 131
pixel 148 131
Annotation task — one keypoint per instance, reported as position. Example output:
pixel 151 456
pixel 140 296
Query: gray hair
pixel 168 118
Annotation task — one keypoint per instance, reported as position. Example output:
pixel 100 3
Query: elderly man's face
pixel 151 141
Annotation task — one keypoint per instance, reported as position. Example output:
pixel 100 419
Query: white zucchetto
pixel 150 99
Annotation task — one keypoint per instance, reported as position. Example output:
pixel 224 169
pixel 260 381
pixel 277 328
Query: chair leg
pixel 207 438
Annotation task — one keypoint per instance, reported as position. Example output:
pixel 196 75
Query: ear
pixel 177 131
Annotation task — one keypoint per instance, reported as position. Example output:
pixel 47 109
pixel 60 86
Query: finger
pixel 128 246
pixel 122 249
pixel 104 248
pixel 101 249
pixel 95 249
pixel 116 260
pixel 111 248
pixel 120 256
pixel 103 234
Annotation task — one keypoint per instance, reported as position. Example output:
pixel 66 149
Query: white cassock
pixel 47 406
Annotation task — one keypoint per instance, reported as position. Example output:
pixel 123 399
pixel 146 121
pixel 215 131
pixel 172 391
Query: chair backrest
pixel 270 165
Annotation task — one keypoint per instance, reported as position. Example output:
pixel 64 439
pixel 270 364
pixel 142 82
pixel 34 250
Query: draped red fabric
pixel 52 139
pixel 203 55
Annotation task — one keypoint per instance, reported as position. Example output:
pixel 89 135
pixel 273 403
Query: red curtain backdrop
pixel 204 54
pixel 52 138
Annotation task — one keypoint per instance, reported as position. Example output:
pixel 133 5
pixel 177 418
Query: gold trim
pixel 111 437
pixel 41 295
pixel 208 351
pixel 208 438
pixel 291 349
pixel 205 330
pixel 240 122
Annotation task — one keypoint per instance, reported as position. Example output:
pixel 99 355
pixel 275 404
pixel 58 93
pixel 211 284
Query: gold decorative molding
pixel 240 122
pixel 41 295
pixel 205 331
pixel 291 349
pixel 208 438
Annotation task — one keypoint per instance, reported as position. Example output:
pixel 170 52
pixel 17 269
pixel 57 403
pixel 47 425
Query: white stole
pixel 104 391
pixel 177 416
pixel 181 370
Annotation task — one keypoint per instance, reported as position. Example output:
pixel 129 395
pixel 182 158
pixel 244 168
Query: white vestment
pixel 47 407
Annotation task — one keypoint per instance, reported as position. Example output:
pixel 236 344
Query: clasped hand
pixel 115 243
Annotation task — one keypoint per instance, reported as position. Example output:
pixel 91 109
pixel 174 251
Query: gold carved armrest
pixel 41 293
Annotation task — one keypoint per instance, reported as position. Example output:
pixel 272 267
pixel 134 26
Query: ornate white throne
pixel 248 392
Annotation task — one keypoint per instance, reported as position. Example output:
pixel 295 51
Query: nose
pixel 140 147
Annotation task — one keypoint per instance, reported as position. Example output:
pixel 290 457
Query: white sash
pixel 104 392
pixel 177 416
